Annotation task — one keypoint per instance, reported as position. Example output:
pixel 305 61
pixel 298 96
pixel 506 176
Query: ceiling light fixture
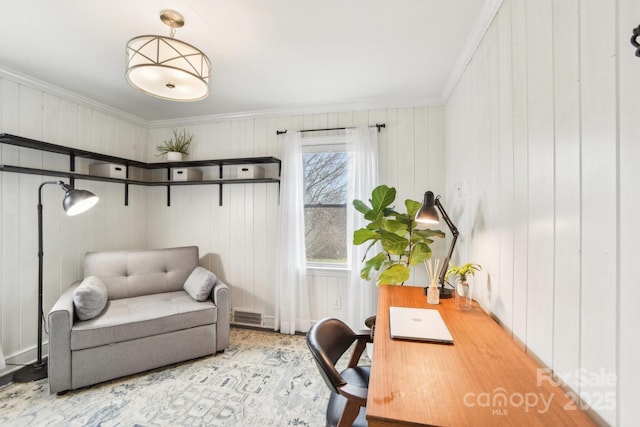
pixel 168 68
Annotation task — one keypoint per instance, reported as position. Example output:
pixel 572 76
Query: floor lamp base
pixel 31 373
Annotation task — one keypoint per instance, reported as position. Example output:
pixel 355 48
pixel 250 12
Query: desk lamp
pixel 429 215
pixel 74 203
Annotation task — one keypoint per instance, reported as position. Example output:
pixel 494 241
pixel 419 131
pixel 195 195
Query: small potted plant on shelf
pixel 462 287
pixel 176 146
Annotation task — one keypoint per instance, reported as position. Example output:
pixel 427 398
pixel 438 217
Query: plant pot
pixel 173 156
pixel 462 296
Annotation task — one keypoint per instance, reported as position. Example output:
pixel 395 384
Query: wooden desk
pixel 483 379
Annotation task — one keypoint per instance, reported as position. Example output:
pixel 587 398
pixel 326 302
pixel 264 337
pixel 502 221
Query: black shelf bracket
pixel 72 168
pixel 168 187
pixel 220 186
pixel 126 186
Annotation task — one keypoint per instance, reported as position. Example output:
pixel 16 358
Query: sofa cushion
pixel 134 273
pixel 143 316
pixel 90 298
pixel 199 283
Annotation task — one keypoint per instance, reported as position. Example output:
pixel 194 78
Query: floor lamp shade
pixel 74 202
pixel 77 201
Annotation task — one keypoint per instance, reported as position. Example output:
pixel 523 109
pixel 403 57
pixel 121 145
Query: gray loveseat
pixel 148 319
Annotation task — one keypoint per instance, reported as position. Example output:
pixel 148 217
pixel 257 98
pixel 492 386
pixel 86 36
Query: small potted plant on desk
pixel 176 146
pixel 462 294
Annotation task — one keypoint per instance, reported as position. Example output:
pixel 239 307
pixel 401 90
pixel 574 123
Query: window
pixel 325 200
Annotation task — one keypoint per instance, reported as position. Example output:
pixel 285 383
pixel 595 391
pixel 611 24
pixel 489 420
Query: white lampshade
pixel 167 68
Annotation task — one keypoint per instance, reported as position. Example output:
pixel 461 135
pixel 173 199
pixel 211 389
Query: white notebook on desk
pixel 418 324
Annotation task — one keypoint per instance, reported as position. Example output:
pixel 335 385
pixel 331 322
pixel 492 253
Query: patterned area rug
pixel 263 379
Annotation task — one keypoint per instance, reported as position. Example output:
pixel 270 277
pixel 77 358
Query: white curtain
pixel 292 295
pixel 1 358
pixel 362 145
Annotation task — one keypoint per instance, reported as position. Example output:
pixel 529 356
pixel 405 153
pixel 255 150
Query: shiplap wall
pixel 234 239
pixel 237 238
pixel 541 153
pixel 627 342
pixel 28 110
pixel 542 137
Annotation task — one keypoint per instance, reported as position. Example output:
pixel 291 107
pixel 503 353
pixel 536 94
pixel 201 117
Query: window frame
pixel 323 144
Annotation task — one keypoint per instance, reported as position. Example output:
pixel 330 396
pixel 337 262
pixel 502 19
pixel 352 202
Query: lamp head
pixel 428 213
pixel 77 201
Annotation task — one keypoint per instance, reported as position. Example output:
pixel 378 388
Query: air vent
pixel 247 318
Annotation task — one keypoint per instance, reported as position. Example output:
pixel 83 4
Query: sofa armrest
pixel 220 297
pixel 61 319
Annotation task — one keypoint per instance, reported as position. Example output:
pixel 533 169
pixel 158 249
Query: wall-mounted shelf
pixel 74 153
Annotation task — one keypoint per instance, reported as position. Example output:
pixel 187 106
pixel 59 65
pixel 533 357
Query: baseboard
pixel 17 361
pixel 261 328
pixel 251 327
pixel 6 379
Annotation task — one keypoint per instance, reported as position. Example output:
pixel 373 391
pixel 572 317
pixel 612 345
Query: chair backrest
pixel 328 340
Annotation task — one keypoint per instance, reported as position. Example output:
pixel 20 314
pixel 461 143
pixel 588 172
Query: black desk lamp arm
pixel 454 232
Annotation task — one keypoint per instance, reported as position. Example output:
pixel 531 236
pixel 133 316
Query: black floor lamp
pixel 428 215
pixel 74 202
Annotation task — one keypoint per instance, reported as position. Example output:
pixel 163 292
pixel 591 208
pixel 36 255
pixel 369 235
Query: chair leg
pixel 357 352
pixel 350 413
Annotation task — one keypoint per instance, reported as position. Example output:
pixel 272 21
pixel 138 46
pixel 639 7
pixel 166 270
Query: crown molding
pixel 294 110
pixel 378 104
pixel 34 83
pixel 470 47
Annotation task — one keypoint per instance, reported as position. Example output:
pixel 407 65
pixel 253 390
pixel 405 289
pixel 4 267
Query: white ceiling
pixel 267 55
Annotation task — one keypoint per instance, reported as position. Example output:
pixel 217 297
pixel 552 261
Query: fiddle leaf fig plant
pixel 403 245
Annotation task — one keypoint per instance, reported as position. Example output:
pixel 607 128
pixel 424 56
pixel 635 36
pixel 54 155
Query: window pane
pixel 325 178
pixel 325 230
pixel 325 206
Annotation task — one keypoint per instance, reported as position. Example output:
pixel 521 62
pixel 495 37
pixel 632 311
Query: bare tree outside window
pixel 325 182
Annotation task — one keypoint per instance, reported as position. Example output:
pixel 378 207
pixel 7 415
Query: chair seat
pixel 358 376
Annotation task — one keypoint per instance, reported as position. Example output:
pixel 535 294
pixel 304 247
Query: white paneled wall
pixel 238 237
pixel 627 342
pixel 541 174
pixel 30 111
pixel 542 134
pixel 235 239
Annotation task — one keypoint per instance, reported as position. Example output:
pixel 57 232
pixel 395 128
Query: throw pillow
pixel 90 298
pixel 199 283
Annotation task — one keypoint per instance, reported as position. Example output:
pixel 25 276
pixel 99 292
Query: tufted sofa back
pixel 142 272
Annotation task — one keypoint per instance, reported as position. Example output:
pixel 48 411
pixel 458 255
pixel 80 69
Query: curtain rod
pixel 377 125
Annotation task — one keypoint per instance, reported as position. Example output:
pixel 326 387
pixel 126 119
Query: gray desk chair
pixel 328 340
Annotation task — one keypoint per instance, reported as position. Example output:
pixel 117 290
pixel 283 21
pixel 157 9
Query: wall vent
pixel 247 318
